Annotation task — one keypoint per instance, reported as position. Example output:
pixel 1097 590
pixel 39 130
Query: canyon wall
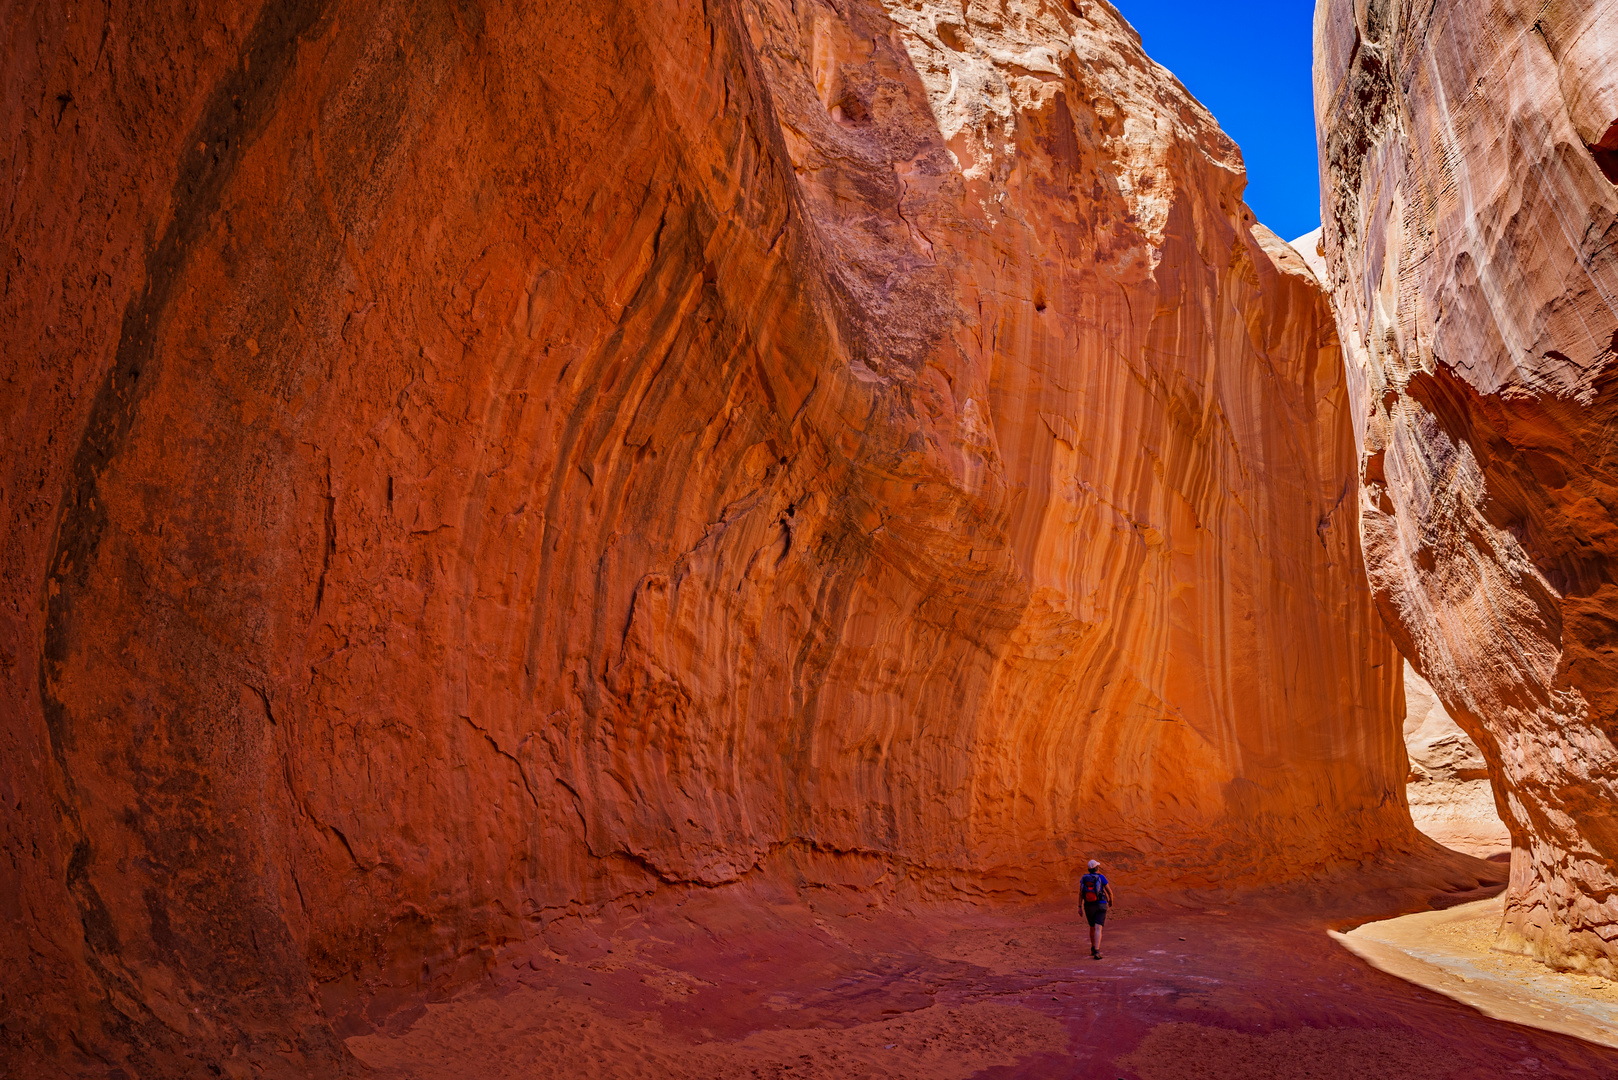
pixel 467 462
pixel 1450 797
pixel 1468 155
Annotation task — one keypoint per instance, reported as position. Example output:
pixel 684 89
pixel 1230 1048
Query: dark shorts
pixel 1095 914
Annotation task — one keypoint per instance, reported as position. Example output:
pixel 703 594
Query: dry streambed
pixel 787 989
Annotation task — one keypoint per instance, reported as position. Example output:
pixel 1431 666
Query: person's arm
pixel 1107 892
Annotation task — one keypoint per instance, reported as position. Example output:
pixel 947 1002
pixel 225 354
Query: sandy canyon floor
pixel 1451 951
pixel 795 987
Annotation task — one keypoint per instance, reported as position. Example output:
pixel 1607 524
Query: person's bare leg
pixel 1098 928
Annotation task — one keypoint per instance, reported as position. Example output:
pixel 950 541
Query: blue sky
pixel 1249 64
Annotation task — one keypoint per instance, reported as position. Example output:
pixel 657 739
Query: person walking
pixel 1097 893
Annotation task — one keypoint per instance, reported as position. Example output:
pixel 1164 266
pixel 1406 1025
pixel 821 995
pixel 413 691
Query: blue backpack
pixel 1090 888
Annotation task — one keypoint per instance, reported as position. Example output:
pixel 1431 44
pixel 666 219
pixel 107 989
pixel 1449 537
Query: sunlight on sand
pixel 1451 953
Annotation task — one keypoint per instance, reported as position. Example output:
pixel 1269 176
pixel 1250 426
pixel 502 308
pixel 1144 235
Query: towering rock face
pixel 1470 229
pixel 471 461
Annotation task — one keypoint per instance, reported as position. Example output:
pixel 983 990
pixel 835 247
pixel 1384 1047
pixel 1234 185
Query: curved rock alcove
pixel 471 463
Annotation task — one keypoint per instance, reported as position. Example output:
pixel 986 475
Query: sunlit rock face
pixel 475 461
pixel 1470 231
pixel 1451 799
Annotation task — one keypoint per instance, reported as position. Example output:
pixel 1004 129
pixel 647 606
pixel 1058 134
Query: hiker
pixel 1097 894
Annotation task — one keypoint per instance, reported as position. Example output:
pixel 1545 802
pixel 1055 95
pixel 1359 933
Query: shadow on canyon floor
pixel 818 985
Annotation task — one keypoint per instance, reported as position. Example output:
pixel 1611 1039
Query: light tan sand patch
pixel 1451 952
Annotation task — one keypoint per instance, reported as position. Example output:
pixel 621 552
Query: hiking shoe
pixel 1095 954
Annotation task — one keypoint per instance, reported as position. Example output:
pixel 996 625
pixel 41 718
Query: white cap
pixel 1094 864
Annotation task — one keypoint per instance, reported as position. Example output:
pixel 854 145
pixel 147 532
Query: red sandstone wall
pixel 472 461
pixel 1470 220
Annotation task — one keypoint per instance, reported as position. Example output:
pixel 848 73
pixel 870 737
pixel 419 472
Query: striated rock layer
pixel 471 461
pixel 1470 227
pixel 1450 797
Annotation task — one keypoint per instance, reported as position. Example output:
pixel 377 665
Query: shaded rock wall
pixel 471 461
pixel 1451 799
pixel 1470 227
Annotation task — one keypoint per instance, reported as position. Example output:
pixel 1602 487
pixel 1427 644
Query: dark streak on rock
pixel 234 114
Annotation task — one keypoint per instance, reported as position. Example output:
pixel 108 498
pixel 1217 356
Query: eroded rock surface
pixel 472 461
pixel 1470 230
pixel 1451 799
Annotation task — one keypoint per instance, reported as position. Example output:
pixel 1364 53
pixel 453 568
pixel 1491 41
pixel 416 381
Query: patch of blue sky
pixel 1249 63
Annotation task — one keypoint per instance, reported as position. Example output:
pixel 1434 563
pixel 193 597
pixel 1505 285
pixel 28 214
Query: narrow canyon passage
pixel 658 537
